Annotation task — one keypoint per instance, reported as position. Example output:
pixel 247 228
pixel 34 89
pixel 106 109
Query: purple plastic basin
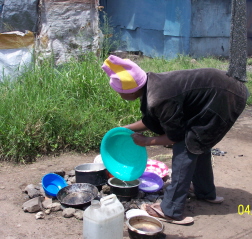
pixel 150 182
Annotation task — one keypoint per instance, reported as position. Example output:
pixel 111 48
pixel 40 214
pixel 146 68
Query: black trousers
pixel 187 168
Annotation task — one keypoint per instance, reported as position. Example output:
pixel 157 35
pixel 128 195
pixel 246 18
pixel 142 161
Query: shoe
pixel 217 200
pixel 154 210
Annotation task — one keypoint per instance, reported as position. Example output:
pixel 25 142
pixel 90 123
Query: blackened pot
pixel 93 173
pixel 124 190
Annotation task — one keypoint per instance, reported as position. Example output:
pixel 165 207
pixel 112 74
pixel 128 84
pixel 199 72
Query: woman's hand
pixel 137 126
pixel 140 139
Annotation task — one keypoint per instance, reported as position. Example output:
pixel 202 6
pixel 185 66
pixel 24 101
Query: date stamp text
pixel 244 209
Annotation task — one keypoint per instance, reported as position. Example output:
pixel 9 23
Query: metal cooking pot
pixel 93 173
pixel 77 194
pixel 124 190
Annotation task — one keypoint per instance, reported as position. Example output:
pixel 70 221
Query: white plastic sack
pixel 13 62
pixel 16 52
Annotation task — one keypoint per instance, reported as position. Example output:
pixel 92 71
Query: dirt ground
pixel 232 178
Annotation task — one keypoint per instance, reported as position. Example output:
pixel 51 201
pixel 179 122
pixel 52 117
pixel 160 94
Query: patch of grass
pixel 249 61
pixel 163 157
pixel 52 109
pixel 249 85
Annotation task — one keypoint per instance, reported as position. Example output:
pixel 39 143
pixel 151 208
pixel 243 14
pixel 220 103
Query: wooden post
pixel 238 41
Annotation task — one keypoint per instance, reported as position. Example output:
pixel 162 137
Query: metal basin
pixel 145 227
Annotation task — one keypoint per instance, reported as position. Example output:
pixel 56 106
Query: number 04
pixel 241 209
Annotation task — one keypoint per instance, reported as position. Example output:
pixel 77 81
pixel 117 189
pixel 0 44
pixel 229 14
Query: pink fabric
pixel 157 167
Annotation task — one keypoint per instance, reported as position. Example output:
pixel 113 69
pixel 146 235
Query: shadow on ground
pixel 229 206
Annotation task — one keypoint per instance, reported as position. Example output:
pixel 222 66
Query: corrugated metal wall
pixel 166 28
pixel 162 28
pixel 155 27
pixel 210 28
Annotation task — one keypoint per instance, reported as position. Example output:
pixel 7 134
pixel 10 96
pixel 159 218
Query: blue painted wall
pixel 155 27
pixel 210 28
pixel 166 28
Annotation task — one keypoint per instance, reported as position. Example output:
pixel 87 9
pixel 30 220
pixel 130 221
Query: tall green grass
pixel 53 109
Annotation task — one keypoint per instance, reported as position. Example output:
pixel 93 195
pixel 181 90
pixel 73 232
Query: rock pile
pixel 41 204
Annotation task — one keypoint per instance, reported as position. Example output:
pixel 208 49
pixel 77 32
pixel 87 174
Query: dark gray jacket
pixel 198 106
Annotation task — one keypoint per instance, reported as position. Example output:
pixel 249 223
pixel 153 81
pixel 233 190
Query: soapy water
pixel 149 184
pixel 124 183
pixel 146 226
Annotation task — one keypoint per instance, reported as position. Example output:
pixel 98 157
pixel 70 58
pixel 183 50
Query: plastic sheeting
pixel 16 52
pixel 18 15
pixel 68 28
pixel 64 29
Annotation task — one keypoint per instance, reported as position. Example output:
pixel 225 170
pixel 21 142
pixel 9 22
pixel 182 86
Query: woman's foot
pixel 217 200
pixel 155 210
